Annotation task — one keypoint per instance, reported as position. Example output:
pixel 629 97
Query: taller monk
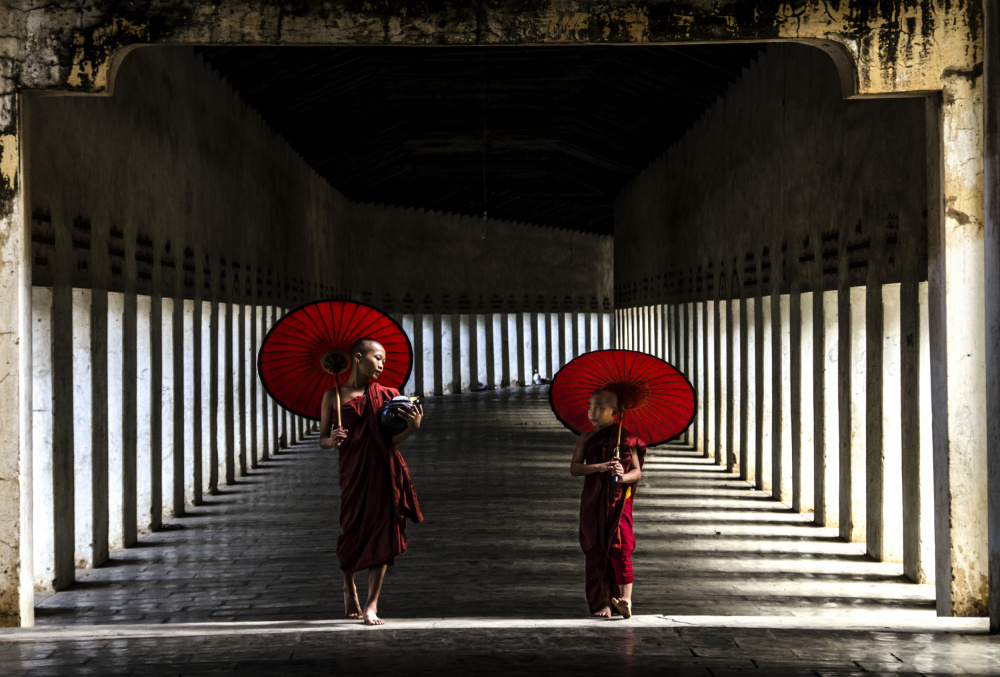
pixel 376 494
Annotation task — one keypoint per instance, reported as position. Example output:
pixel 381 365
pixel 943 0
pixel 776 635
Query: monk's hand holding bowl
pixel 413 415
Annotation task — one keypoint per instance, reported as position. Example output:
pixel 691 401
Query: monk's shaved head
pixel 606 397
pixel 364 346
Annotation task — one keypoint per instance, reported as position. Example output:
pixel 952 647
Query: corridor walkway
pixel 497 559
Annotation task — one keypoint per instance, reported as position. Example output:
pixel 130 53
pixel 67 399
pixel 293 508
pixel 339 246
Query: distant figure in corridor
pixel 376 494
pixel 606 534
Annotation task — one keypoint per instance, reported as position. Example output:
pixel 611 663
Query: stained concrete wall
pixel 773 187
pixel 410 260
pixel 174 174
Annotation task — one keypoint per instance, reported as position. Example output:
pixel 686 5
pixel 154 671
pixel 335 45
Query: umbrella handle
pixel 618 446
pixel 336 388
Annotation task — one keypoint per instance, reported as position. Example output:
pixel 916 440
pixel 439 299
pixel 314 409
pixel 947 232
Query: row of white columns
pixel 467 352
pixel 821 399
pixel 141 406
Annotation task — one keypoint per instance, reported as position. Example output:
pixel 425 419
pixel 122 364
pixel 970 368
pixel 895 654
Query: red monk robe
pixel 376 494
pixel 606 534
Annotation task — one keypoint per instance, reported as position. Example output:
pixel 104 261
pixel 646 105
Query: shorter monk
pixel 606 534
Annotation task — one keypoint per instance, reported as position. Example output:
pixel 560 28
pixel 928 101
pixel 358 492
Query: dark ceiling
pixel 543 135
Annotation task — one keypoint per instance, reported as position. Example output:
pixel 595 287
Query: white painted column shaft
pixel 827 424
pixel 192 381
pixel 782 438
pixel 42 472
pixel 805 463
pixel 144 396
pixel 116 357
pixel 766 397
pixel 167 395
pixel 735 388
pixel 83 499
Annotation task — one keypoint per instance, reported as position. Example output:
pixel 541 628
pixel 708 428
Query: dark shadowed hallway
pixel 727 579
pixel 499 539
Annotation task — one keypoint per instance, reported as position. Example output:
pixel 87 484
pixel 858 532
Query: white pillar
pixel 512 350
pixel 853 402
pixel 496 357
pixel 827 424
pixel 925 545
pixel 208 426
pixel 248 379
pixel 804 481
pixel 445 341
pixel 429 341
pixel 482 355
pixel 273 411
pixel 957 275
pixel 238 448
pixel 192 380
pixel 221 381
pixel 144 396
pixel 542 337
pixel 722 393
pixel 735 388
pixel 465 347
pixel 168 393
pixel 116 411
pixel 765 397
pixel 783 405
pixel 567 333
pixel 555 337
pixel 410 388
pixel 42 422
pixel 259 395
pixel 83 499
pixel 748 451
pixel 699 375
pixel 891 448
pixel 711 400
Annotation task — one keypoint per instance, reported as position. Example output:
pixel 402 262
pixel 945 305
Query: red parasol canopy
pixel 306 352
pixel 658 398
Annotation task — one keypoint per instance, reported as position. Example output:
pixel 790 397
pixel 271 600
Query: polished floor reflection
pixel 726 578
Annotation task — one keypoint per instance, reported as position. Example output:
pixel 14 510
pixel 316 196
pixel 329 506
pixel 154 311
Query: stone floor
pixel 727 580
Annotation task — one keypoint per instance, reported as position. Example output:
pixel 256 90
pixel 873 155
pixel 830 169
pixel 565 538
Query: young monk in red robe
pixel 376 494
pixel 606 534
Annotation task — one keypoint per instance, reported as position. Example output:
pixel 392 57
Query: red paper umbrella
pixel 307 352
pixel 658 399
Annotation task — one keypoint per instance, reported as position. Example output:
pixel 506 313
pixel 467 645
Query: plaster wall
pixel 174 172
pixel 773 186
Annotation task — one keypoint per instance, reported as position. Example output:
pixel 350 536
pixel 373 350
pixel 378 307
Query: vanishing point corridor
pixel 494 572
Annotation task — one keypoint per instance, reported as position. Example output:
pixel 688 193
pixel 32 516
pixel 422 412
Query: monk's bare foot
pixel 603 612
pixel 352 607
pixel 371 616
pixel 624 606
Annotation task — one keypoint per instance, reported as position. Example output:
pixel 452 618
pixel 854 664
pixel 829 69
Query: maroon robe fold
pixel 376 494
pixel 602 505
